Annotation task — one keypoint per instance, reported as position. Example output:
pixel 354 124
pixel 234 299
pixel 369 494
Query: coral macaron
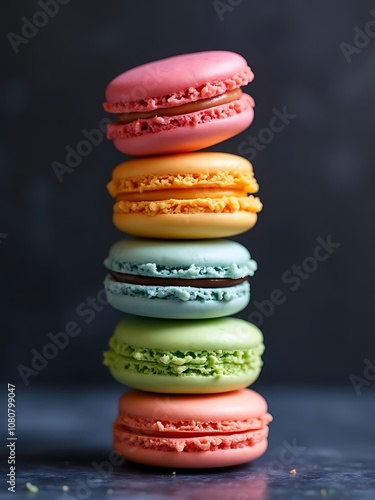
pixel 192 431
pixel 185 196
pixel 179 104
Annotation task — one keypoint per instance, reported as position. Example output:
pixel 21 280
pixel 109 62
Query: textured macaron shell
pixel 177 80
pixel 189 171
pixel 173 82
pixel 171 356
pixel 190 260
pixel 186 196
pixel 249 451
pixel 184 133
pixel 227 412
pixel 181 259
pixel 177 302
pixel 192 430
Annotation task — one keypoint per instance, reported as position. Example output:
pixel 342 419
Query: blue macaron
pixel 179 280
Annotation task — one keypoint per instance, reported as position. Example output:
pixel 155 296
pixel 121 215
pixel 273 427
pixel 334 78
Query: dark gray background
pixel 315 175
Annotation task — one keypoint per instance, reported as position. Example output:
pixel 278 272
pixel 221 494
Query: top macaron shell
pixel 240 405
pixel 181 259
pixel 170 77
pixel 174 82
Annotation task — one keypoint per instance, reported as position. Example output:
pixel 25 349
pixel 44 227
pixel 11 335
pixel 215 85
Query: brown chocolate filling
pixel 199 282
pixel 190 107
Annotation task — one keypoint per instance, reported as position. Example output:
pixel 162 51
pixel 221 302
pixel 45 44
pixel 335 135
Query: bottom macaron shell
pixel 187 138
pixel 186 226
pixel 203 459
pixel 186 384
pixel 176 309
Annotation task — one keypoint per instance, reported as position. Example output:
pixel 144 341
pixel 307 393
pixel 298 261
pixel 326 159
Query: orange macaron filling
pixel 185 183
pixel 186 206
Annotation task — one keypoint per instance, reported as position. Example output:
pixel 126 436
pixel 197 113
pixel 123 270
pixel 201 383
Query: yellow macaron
pixel 185 196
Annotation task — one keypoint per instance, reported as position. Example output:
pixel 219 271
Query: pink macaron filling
pixel 156 124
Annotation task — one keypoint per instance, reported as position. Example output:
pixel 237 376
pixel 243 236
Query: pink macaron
pixel 180 104
pixel 192 431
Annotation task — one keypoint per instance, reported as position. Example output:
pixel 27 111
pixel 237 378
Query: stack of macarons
pixel 179 279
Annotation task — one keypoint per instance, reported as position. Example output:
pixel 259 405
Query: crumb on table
pixel 32 488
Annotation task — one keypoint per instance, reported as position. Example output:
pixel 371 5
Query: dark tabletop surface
pixel 64 440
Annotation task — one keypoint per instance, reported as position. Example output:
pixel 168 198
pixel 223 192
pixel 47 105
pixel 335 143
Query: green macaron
pixel 185 357
pixel 179 280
